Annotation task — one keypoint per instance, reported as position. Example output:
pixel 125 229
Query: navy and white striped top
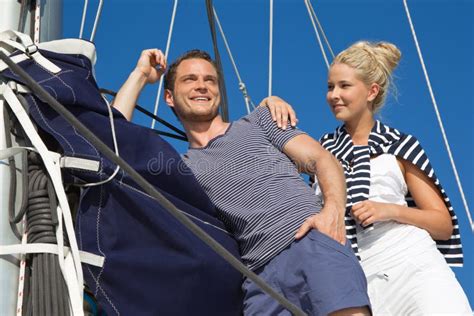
pixel 260 196
pixel 356 162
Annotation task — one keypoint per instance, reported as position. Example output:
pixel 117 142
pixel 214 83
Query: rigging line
pixel 114 140
pixel 24 8
pixel 170 135
pixel 148 113
pixel 96 21
pixel 270 50
pixel 168 42
pixel 438 116
pixel 308 6
pixel 242 86
pixel 321 28
pixel 37 22
pixel 217 58
pixel 146 186
pixel 83 22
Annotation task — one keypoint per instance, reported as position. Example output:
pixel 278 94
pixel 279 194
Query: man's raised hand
pixel 152 64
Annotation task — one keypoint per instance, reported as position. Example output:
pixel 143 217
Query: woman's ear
pixel 374 90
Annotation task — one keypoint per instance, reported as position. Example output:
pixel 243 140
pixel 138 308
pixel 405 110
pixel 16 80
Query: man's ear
pixel 374 90
pixel 168 96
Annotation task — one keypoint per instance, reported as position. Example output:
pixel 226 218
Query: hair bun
pixel 389 53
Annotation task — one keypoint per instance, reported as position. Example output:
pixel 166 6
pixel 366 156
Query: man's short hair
pixel 170 76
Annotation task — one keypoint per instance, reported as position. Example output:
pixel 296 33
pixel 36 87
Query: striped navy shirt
pixel 259 194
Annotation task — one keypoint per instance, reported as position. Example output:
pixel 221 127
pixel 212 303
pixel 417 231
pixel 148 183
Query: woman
pixel 396 243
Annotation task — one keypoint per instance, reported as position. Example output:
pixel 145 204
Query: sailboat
pixel 14 272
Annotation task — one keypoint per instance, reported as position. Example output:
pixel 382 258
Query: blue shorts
pixel 316 273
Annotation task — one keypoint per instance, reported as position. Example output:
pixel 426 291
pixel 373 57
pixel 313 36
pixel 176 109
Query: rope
pixel 168 42
pixel 114 139
pixel 146 186
pixel 24 6
pixel 309 7
pixel 321 28
pixel 96 21
pixel 217 58
pixel 270 50
pixel 181 135
pixel 242 86
pixel 440 122
pixel 83 22
pixel 14 219
pixel 45 284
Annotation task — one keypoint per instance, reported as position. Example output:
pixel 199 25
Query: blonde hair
pixel 374 63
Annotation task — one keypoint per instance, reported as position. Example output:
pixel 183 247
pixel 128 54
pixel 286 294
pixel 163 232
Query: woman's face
pixel 348 97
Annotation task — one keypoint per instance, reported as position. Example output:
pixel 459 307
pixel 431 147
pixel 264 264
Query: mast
pixel 42 20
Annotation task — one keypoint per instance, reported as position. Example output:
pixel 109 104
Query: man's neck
pixel 200 133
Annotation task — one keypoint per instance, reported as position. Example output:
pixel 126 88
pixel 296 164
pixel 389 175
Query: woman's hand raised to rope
pixel 281 111
pixel 152 64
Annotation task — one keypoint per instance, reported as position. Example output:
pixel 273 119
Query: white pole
pixel 270 51
pixel 168 43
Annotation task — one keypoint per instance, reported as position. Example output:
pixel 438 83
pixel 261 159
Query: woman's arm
pixel 431 213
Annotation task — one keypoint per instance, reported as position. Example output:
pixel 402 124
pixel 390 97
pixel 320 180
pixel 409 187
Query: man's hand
pixel 150 67
pixel 329 222
pixel 368 212
pixel 281 111
pixel 151 64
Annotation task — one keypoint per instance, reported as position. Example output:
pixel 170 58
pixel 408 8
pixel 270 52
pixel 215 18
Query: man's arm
pixel 150 66
pixel 311 158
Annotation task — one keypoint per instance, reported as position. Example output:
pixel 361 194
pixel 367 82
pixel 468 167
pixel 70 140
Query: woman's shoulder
pixel 331 136
pixel 383 128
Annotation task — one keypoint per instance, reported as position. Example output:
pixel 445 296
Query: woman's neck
pixel 360 129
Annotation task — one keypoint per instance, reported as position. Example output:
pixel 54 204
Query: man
pixel 250 170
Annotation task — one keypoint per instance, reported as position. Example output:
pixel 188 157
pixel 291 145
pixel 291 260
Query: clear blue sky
pixel 445 31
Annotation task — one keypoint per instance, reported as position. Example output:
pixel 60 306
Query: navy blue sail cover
pixel 153 264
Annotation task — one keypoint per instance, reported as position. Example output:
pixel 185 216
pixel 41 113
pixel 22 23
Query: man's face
pixel 196 95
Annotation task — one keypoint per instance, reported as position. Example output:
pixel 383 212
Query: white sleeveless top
pixel 387 243
pixel 388 240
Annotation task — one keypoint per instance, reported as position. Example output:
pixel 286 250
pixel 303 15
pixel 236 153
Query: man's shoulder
pixel 254 118
pixel 259 113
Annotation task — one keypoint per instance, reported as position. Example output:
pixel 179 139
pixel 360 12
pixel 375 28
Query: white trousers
pixel 415 284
